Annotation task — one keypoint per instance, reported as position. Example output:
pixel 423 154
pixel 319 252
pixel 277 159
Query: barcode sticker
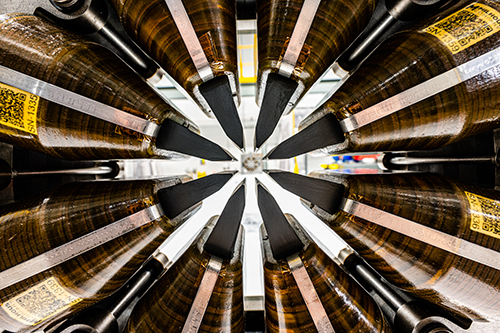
pixel 485 214
pixel 18 108
pixel 466 27
pixel 40 302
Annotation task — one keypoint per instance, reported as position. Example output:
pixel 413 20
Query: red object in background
pixel 358 158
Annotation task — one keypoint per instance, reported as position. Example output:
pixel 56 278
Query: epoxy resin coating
pixel 40 49
pixel 151 25
pixel 335 25
pixel 34 226
pixel 349 307
pixel 463 286
pixel 165 307
pixel 413 57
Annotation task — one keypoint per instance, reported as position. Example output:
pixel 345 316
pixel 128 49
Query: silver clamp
pixel 299 35
pixel 200 303
pixel 193 45
pixel 309 294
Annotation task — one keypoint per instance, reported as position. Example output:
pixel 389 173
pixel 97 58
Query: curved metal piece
pixel 92 320
pixel 406 315
pixel 412 317
pixel 139 285
pixel 412 10
pixel 79 328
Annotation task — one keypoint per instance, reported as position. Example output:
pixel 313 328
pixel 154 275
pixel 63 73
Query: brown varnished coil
pixel 335 26
pixel 34 226
pixel 151 25
pixel 349 307
pixel 403 61
pixel 461 285
pixel 35 47
pixel 165 307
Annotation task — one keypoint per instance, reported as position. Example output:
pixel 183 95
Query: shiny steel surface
pixel 98 170
pixel 77 102
pixel 299 35
pixel 297 268
pixel 423 233
pixel 123 303
pixel 392 299
pixel 92 18
pixel 166 306
pixel 78 246
pixel 348 306
pixel 200 303
pixel 308 292
pixel 189 37
pixel 334 26
pixel 462 286
pixel 430 160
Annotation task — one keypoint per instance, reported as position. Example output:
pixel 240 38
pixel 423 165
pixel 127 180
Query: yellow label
pixel 40 302
pixel 485 215
pixel 18 108
pixel 466 27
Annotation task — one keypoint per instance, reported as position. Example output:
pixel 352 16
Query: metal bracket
pixel 299 35
pixel 309 294
pixel 200 303
pixel 190 39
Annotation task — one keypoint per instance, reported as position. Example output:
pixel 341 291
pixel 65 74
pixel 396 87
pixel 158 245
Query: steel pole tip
pixel 320 134
pixel 217 93
pixel 175 137
pixel 279 91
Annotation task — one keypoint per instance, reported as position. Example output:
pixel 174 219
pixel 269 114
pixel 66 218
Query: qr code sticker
pixel 466 27
pixel 485 214
pixel 12 107
pixel 39 302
